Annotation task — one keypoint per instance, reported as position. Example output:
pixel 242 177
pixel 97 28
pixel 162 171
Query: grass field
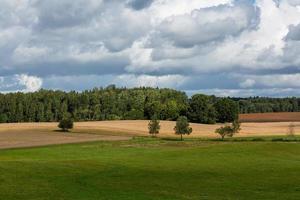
pixel 152 169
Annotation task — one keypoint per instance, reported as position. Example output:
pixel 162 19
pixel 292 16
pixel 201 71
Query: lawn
pixel 152 169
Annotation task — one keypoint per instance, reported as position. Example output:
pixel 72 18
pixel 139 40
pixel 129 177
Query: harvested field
pixel 271 117
pixel 39 134
pixel 140 128
pixel 42 134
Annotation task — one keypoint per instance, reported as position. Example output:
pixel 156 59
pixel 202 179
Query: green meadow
pixel 155 169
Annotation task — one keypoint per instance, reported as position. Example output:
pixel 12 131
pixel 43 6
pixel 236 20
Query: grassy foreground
pixel 152 169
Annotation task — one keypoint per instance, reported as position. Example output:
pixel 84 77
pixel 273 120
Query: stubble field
pixel 40 134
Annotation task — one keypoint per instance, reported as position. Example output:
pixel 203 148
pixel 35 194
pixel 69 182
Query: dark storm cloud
pixel 294 33
pixel 139 4
pixel 67 13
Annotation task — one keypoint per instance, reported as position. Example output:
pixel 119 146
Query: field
pixel 39 134
pixel 271 117
pixel 114 160
pixel 152 169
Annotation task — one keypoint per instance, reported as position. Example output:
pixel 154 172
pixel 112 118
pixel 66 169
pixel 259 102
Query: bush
pixel 258 140
pixel 66 124
pixel 278 140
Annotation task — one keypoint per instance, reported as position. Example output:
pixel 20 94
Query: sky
pixel 221 47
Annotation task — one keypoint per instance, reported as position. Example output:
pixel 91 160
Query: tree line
pixel 265 104
pixel 112 103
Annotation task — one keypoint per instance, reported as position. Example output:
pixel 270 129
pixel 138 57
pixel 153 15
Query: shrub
pixel 278 140
pixel 258 139
pixel 66 124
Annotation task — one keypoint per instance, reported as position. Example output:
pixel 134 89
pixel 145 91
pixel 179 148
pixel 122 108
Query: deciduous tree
pixel 182 127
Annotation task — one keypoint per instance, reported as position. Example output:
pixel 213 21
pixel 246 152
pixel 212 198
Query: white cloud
pixel 162 9
pixel 24 54
pixel 163 43
pixel 31 83
pixel 274 80
pixel 265 92
pixel 172 81
pixel 208 24
pixel 247 83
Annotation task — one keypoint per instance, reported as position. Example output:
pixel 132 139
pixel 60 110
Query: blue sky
pixel 221 47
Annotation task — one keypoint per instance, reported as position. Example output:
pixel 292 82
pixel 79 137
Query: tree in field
pixel 229 130
pixel 236 125
pixel 65 124
pixel 182 127
pixel 154 127
pixel 225 131
pixel 291 129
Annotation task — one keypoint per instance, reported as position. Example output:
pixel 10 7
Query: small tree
pixel 229 130
pixel 154 127
pixel 291 129
pixel 182 127
pixel 225 131
pixel 236 125
pixel 66 124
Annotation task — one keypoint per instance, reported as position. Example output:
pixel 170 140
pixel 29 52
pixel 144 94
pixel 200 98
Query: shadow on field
pixel 61 131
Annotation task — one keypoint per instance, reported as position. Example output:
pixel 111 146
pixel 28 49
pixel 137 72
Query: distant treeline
pixel 265 104
pixel 113 103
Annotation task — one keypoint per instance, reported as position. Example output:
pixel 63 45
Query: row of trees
pixel 113 103
pixel 183 128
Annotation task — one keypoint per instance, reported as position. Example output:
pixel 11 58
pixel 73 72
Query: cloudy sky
pixel 221 47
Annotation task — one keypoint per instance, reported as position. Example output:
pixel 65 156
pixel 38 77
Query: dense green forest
pixel 265 104
pixel 113 103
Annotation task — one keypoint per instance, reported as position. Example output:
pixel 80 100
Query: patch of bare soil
pixel 271 117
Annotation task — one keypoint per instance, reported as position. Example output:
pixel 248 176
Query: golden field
pixel 39 134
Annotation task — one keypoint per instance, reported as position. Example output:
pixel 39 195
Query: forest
pixel 266 104
pixel 112 103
